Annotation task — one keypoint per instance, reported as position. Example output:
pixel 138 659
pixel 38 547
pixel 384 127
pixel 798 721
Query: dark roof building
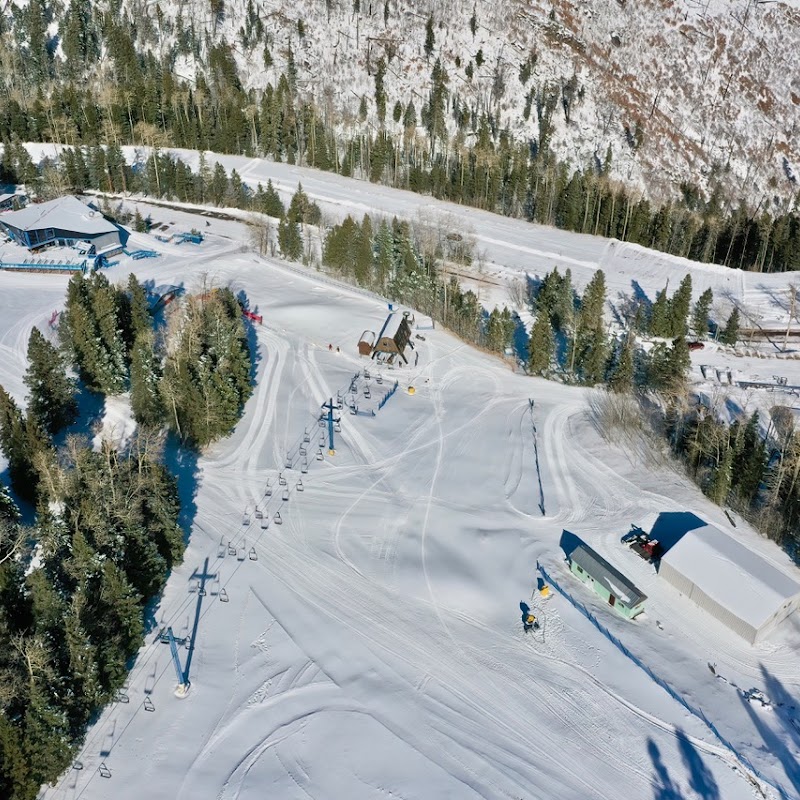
pixel 394 336
pixel 64 221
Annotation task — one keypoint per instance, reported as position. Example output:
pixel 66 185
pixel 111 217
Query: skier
pixel 330 347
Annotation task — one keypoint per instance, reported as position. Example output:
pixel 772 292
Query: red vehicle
pixel 695 345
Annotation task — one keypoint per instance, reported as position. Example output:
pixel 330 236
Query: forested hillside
pixel 74 585
pixel 673 125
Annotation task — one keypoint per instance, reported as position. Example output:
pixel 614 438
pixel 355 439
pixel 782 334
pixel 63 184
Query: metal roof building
pixel 607 581
pixel 739 587
pixel 64 221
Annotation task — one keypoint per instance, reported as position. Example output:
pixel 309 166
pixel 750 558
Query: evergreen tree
pixel 21 440
pixel 679 308
pixel 290 240
pixel 138 316
pixel 700 315
pixel 730 333
pixel 272 207
pixel 660 315
pixel 52 394
pixel 146 401
pixel 589 349
pixel 750 460
pixel 430 40
pixel 622 373
pixel 719 486
pixel 540 346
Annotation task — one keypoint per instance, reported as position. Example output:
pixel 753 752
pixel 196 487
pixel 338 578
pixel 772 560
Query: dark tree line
pixel 494 171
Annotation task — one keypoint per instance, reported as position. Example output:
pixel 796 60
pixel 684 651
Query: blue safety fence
pixel 388 395
pixel 32 265
pixel 139 254
pixel 696 712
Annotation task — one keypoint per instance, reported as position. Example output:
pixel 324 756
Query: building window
pixel 579 569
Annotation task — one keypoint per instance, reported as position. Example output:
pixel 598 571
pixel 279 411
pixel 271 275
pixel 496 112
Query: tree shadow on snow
pixel 91 409
pixel 182 462
pixel 671 526
pixel 520 338
pixel 665 789
pixel 701 781
pixel 252 336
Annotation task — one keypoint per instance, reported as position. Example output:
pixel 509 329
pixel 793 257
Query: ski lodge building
pixel 606 581
pixel 737 586
pixel 65 221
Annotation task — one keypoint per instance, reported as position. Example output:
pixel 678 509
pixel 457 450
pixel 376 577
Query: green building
pixel 606 581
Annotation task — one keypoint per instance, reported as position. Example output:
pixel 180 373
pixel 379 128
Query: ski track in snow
pixel 374 646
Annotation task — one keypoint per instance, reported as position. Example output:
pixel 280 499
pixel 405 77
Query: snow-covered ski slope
pixel 374 649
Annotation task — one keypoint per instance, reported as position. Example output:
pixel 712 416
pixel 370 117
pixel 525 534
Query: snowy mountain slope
pixel 686 91
pixel 374 648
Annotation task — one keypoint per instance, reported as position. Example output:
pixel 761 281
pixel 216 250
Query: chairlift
pixel 259 514
pixel 322 441
pixel 366 374
pixel 121 697
pixel 253 555
pixel 231 548
pixel 304 466
pixel 367 392
pixel 148 704
pixel 354 409
pixel 285 495
pixel 306 436
pixel 319 455
pixel 337 426
pixel 288 463
pixel 241 554
pixel 265 523
pixel 77 765
pixel 300 487
pixel 302 450
pixel 268 491
pixel 378 379
pixel 281 479
pixel 104 771
pixel 223 596
pixel 201 592
pixel 221 548
pixel 246 520
pixel 277 519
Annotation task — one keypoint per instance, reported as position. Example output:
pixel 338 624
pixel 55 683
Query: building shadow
pixel 671 526
pixel 569 541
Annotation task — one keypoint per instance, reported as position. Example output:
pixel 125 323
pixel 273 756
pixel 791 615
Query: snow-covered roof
pixel 608 575
pixel 5 197
pixel 732 574
pixel 65 213
pixel 392 325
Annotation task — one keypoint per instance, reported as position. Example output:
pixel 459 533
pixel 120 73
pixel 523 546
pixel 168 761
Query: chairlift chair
pixel 306 436
pixel 259 514
pixel 367 392
pixel 304 466
pixel 300 487
pixel 265 523
pixel 231 548
pixel 302 450
pixel 319 455
pixel 337 426
pixel 253 555
pixel 278 520
pixel 223 595
pixel 322 441
pixel 281 479
pixel 286 495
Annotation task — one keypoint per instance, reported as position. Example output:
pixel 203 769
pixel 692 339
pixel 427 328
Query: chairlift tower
pixel 183 682
pixel 329 407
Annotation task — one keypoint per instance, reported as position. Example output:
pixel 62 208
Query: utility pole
pixel 329 406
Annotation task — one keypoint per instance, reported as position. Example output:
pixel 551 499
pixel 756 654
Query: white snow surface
pixel 729 572
pixel 374 649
